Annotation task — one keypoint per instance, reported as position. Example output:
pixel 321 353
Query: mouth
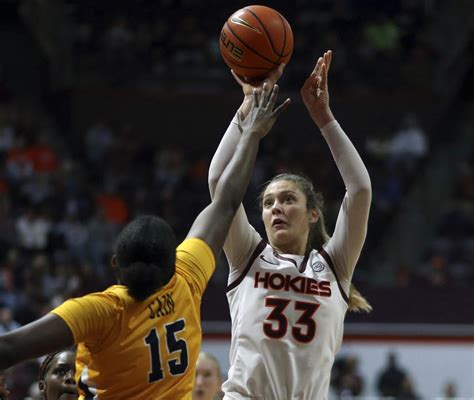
pixel 69 396
pixel 278 223
pixel 198 393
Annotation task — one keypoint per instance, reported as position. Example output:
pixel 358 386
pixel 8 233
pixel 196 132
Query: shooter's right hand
pixel 248 87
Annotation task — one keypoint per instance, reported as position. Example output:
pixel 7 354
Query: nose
pixel 276 208
pixel 199 380
pixel 69 378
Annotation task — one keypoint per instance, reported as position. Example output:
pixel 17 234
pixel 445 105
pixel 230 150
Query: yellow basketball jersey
pixel 142 350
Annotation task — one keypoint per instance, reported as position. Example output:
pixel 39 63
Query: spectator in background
pixel 208 378
pixel 382 35
pixel 409 145
pixel 75 235
pixel 10 271
pixel 101 236
pixel 449 391
pixel 7 131
pixel 407 391
pixel 352 383
pixel 18 166
pixel 8 237
pixel 3 389
pixel 98 140
pixel 381 51
pixel 33 229
pixel 391 380
pixel 42 155
pixel 345 379
pixel 113 206
pixel 7 323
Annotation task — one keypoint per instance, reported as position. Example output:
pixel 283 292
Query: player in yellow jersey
pixel 140 339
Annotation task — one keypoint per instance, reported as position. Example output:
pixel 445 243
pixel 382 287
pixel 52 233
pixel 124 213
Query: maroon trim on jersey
pixel 275 253
pixel 304 262
pixel 328 259
pixel 255 254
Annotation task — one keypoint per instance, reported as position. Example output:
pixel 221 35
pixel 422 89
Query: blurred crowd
pixel 376 42
pixel 449 260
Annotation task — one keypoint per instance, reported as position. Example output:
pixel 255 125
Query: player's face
pixel 286 218
pixel 207 380
pixel 59 380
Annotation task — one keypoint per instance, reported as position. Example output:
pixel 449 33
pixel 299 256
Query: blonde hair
pixel 317 235
pixel 357 302
pixel 208 356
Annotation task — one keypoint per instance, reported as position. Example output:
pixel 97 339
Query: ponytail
pixel 143 279
pixel 357 302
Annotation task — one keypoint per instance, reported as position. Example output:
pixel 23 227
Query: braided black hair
pixel 48 360
pixel 46 363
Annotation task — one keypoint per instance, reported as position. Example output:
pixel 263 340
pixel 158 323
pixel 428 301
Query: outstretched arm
pixel 213 224
pixel 241 238
pixel 46 335
pixel 351 227
pixel 229 141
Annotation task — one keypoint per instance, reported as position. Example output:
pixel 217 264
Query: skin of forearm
pixel 322 118
pixel 223 155
pixel 245 107
pixel 234 180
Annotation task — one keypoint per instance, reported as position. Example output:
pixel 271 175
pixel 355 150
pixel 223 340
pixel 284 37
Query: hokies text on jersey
pixel 298 284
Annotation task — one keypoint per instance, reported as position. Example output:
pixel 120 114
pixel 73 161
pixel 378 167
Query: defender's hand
pixel 248 87
pixel 263 113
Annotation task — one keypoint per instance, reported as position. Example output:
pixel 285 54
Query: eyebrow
pixel 62 364
pixel 283 192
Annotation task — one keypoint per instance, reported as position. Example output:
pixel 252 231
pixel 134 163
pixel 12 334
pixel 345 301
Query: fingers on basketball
pixel 236 77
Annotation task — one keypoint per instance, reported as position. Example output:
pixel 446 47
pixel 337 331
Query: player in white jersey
pixel 288 297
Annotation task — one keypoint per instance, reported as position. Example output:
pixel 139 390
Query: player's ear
pixel 114 262
pixel 115 268
pixel 313 215
pixel 42 386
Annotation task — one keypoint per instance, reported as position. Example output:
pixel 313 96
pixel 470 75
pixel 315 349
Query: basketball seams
pixel 280 55
pixel 284 37
pixel 247 46
pixel 263 27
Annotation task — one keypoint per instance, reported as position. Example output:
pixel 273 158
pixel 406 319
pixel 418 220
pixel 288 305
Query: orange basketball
pixel 255 40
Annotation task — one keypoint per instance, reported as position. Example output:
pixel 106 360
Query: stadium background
pixel 113 109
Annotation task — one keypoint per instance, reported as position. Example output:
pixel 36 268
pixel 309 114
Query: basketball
pixel 255 40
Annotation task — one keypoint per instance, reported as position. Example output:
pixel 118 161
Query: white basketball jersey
pixel 287 324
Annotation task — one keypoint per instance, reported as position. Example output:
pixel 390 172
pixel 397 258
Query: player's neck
pixel 297 249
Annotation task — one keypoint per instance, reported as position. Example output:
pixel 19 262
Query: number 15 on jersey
pixel 177 365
